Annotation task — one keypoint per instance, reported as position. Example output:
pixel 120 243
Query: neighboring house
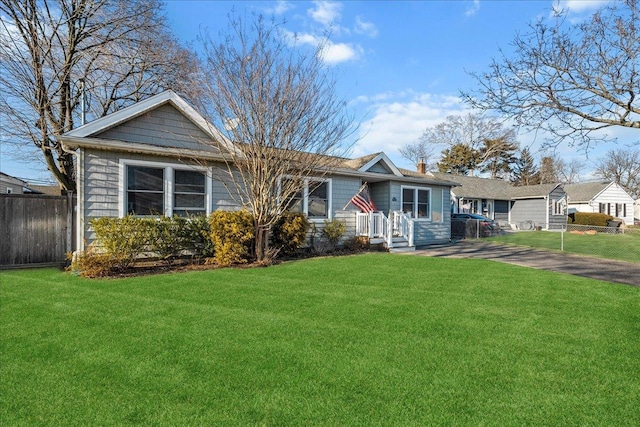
pixel 539 206
pixel 50 190
pixel 484 196
pixel 136 160
pixel 12 185
pixel 603 197
pixel 525 207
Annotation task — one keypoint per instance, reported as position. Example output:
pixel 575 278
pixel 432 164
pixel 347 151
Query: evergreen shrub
pixel 232 234
pixel 289 232
pixel 333 231
pixel 591 218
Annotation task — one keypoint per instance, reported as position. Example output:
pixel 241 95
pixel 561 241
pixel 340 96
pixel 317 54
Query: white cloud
pixel 281 7
pixel 579 6
pixel 305 38
pixel 367 28
pixel 332 53
pixel 472 8
pixel 577 10
pixel 335 53
pixel 326 12
pixel 400 119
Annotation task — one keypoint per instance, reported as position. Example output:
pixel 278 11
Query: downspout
pixel 79 154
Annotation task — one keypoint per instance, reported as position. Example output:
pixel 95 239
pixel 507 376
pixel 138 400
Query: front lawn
pixel 374 339
pixel 623 247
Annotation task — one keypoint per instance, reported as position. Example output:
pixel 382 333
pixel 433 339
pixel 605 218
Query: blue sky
pixel 400 64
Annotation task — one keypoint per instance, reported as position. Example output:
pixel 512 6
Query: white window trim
pixel 169 169
pixel 9 190
pixel 415 201
pixel 305 197
pixel 558 207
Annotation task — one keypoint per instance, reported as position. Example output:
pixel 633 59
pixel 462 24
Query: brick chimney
pixel 422 166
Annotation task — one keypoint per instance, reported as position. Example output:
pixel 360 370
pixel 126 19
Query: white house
pixel 11 185
pixel 603 197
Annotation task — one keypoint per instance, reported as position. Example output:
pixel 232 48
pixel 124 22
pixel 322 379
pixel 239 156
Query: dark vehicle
pixel 473 225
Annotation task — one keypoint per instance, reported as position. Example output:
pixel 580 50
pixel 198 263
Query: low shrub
pixel 333 231
pixel 232 234
pixel 289 232
pixel 168 236
pixel 91 264
pixel 199 237
pixel 591 218
pixel 124 239
pixel 357 243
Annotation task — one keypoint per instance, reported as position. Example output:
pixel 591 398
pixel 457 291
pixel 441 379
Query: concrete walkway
pixel 627 273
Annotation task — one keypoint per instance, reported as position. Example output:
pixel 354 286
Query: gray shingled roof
pixel 497 189
pixel 473 186
pixel 584 191
pixel 527 191
pixel 358 162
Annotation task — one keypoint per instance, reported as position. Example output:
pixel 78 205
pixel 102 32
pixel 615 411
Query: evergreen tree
pixel 525 171
pixel 548 171
pixel 460 159
pixel 499 157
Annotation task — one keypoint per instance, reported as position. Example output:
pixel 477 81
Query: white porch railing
pixel 402 225
pixel 372 225
pixel 377 225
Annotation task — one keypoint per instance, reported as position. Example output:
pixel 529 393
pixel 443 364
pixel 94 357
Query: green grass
pixel 375 339
pixel 623 247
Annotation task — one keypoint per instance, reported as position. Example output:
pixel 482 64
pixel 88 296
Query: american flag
pixel 363 201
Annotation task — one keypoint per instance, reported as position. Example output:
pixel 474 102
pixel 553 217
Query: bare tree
pixel 420 150
pixel 481 139
pixel 623 167
pixel 277 108
pixel 570 80
pixel 120 51
pixel 569 171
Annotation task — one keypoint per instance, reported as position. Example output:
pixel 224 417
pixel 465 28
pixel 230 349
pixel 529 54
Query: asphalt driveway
pixel 627 273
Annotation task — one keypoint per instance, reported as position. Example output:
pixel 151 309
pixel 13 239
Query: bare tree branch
pixel 122 50
pixel 623 167
pixel 570 80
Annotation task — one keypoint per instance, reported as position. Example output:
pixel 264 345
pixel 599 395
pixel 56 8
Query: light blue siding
pixel 164 126
pixel 343 189
pixel 379 168
pixel 379 192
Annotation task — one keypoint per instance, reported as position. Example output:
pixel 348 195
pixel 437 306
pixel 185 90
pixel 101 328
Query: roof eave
pixel 72 143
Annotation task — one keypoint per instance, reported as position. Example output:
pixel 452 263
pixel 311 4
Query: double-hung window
pixel 416 202
pixel 313 198
pixel 145 190
pixel 189 193
pixel 162 189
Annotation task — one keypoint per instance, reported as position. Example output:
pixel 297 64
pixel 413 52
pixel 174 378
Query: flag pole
pixel 349 202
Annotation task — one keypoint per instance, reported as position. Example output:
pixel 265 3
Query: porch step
pixel 397 249
pixel 400 244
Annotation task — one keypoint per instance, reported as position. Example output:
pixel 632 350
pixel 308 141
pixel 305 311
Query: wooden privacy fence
pixel 35 229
